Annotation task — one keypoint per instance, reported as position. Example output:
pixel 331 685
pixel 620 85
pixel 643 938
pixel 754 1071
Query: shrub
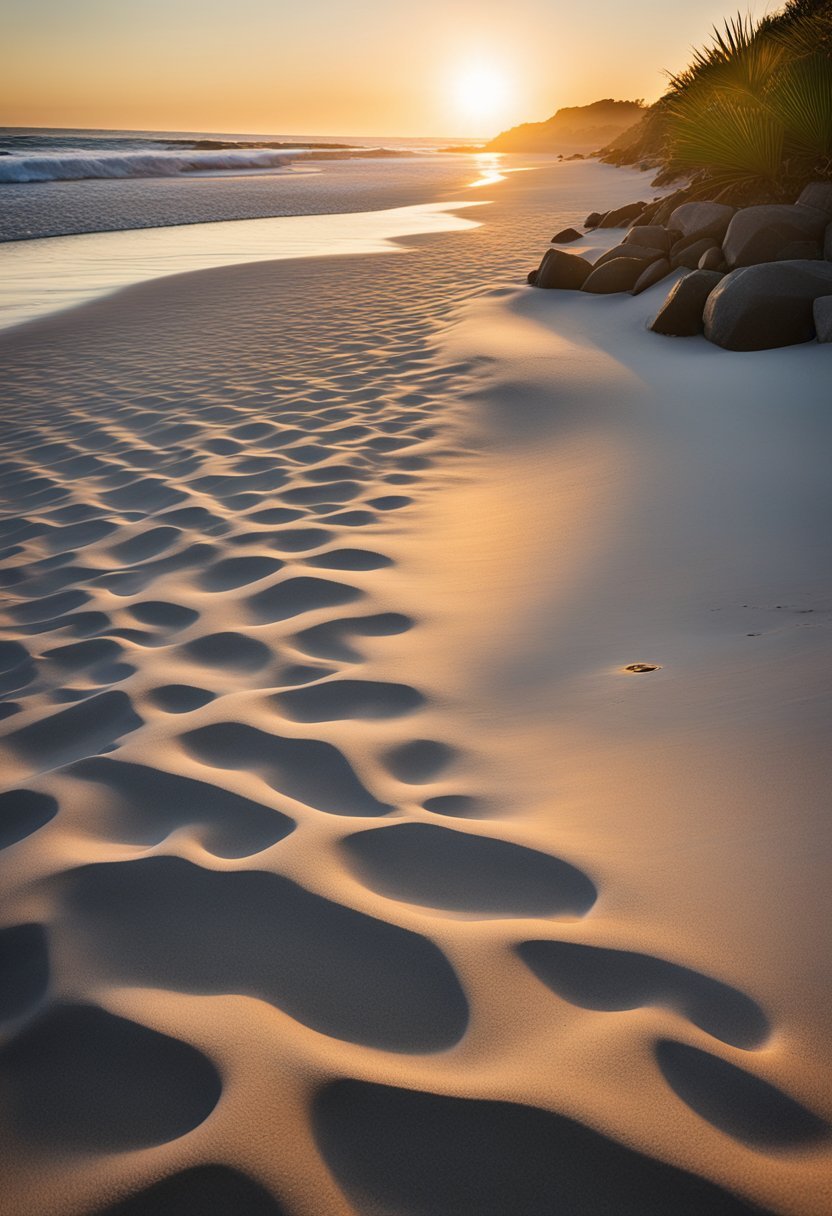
pixel 752 110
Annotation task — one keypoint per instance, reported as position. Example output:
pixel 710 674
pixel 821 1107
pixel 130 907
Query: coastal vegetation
pixel 750 118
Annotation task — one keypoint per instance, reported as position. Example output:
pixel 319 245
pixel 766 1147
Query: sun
pixel 481 91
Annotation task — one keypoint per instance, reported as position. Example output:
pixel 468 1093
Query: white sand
pixel 360 888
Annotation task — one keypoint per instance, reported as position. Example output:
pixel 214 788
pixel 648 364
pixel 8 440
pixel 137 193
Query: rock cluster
pixel 758 277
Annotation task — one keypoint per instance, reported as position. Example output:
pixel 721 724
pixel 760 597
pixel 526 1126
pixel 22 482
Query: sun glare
pixel 481 92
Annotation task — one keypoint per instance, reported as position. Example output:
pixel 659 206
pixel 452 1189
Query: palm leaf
pixel 801 97
pixel 737 141
pixel 722 58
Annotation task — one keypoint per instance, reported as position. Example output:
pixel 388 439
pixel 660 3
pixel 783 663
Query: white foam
pixel 81 165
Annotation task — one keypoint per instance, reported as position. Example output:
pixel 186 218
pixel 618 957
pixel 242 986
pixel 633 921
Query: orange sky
pixel 371 67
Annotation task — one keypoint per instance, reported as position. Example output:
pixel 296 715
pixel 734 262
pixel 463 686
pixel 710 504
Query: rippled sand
pixel 347 868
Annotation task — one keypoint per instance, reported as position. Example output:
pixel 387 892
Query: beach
pixel 348 867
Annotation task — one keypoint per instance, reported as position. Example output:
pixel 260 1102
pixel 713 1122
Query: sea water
pixel 155 204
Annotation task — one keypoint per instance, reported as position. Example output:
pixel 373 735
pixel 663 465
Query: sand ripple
pixel 273 944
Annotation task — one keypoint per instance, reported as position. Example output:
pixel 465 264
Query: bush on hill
pixel 750 118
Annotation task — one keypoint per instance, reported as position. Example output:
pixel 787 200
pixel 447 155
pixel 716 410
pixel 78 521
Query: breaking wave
pixel 134 164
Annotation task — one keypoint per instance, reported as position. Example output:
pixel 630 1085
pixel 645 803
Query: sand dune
pixel 348 869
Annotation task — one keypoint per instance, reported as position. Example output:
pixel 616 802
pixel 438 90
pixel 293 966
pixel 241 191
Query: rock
pixel 827 243
pixel 822 315
pixel 684 242
pixel 763 233
pixel 565 270
pixel 800 251
pixel 646 216
pixel 681 313
pixel 650 236
pixel 702 219
pixel 617 275
pixel 621 215
pixel 689 257
pixel 628 251
pixel 766 306
pixel 566 235
pixel 712 259
pixel 667 206
pixel 819 196
pixel 593 219
pixel 654 273
pixel 531 278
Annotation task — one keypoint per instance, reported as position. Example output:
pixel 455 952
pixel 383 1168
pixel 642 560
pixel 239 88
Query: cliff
pixel 573 128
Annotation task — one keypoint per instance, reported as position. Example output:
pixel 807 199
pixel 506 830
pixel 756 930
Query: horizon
pixel 19 128
pixel 210 73
pixel 209 131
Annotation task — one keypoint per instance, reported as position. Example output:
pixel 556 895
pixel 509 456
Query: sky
pixel 466 68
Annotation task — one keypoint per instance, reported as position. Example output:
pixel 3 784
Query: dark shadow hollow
pixel 597 978
pixel 420 1154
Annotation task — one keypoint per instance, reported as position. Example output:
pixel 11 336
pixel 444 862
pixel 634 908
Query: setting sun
pixel 481 92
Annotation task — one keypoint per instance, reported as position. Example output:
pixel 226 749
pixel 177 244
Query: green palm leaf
pixel 801 97
pixel 736 140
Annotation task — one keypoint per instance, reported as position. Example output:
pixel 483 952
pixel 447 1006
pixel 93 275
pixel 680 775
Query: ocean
pixel 37 155
pixel 65 182
pixel 85 213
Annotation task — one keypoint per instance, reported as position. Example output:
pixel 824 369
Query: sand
pixel 348 870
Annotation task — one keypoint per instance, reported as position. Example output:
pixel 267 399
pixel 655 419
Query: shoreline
pixel 31 211
pixel 387 408
pixel 38 269
pixel 101 264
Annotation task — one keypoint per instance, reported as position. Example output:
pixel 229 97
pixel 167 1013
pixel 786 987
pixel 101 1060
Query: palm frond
pixel 727 47
pixel 805 34
pixel 801 97
pixel 735 140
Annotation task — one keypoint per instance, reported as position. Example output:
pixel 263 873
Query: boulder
pixel 689 257
pixel 618 275
pixel 647 215
pixel 712 259
pixel 827 243
pixel 593 219
pixel 566 235
pixel 667 206
pixel 684 242
pixel 621 215
pixel 651 236
pixel 531 278
pixel 819 196
pixel 822 315
pixel 702 219
pixel 681 313
pixel 629 251
pixel 766 306
pixel 565 270
pixel 763 233
pixel 654 273
pixel 796 251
